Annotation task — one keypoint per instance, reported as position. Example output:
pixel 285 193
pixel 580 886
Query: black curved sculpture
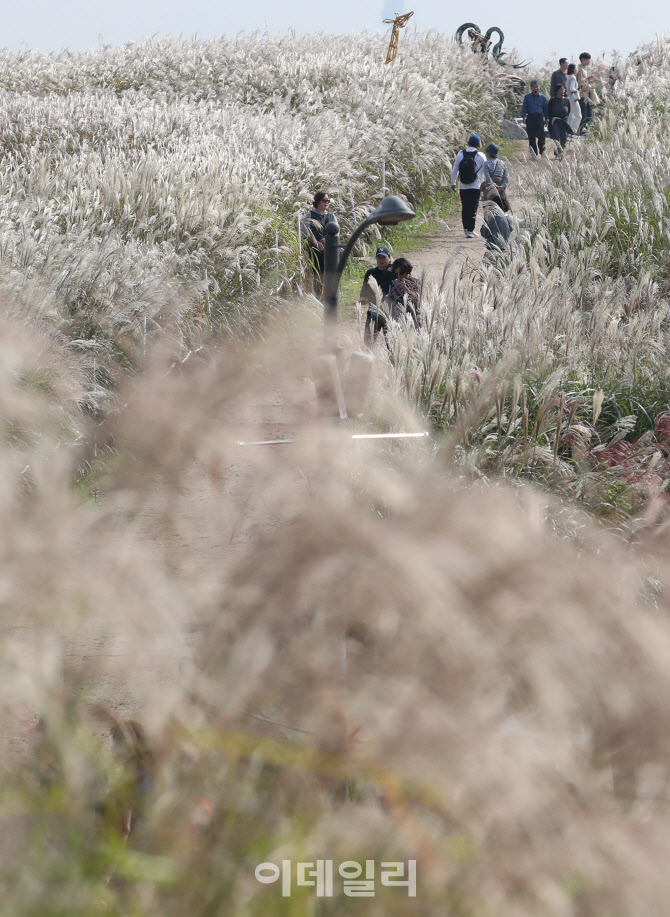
pixel 461 30
pixel 482 42
pixel 496 50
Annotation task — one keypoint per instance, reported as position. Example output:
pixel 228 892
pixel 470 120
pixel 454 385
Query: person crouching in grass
pixel 497 227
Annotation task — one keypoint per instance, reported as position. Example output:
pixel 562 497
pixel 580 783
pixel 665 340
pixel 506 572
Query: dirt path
pixel 450 247
pixel 447 249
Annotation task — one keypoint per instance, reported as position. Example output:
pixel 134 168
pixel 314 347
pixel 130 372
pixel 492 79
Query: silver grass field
pixel 454 650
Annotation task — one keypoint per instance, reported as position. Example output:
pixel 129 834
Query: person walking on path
pixel 469 171
pixel 588 97
pixel 575 116
pixel 535 112
pixel 315 232
pixel 559 128
pixel 559 78
pixel 496 171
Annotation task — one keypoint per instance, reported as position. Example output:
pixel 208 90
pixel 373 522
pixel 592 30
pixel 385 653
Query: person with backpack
pixel 469 170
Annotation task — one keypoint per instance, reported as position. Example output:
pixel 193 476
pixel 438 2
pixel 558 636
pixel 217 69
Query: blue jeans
pixel 587 112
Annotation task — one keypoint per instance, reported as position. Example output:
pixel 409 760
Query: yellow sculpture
pixel 398 23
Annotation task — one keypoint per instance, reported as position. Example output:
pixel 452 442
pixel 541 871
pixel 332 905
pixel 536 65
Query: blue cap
pixel 493 149
pixel 474 140
pixel 383 250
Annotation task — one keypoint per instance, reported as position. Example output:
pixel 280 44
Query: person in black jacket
pixel 559 78
pixel 383 275
pixel 559 109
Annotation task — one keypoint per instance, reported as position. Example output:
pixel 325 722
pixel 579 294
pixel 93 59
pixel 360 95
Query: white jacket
pixel 480 162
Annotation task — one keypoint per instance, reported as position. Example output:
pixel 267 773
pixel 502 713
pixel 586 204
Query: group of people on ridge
pixel 569 110
pixel 482 176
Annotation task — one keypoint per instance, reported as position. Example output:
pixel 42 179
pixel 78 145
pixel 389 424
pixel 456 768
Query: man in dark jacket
pixel 384 277
pixel 559 78
pixel 559 109
pixel 383 274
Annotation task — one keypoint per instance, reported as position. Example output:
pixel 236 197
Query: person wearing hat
pixel 469 171
pixel 495 171
pixel 383 275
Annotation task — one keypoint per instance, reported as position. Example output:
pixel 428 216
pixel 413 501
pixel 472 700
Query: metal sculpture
pixel 398 23
pixel 481 43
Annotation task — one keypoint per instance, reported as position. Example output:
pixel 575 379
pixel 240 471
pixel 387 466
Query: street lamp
pixel 391 211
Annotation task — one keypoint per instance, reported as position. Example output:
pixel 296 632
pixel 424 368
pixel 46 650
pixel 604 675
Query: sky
pixel 539 31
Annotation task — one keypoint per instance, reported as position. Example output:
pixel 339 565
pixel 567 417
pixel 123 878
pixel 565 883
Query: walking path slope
pixel 450 247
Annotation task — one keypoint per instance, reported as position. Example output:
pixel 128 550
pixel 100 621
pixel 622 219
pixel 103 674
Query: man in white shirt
pixel 469 170
pixel 588 97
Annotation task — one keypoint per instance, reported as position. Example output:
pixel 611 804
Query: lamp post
pixel 391 211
